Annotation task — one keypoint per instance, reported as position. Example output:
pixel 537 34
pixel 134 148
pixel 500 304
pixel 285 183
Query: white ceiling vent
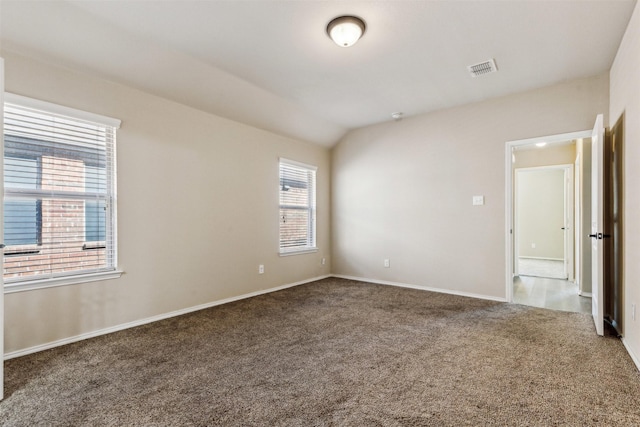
pixel 485 67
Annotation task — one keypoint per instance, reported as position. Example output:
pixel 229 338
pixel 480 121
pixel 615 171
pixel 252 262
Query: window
pixel 59 193
pixel 297 207
pixel 95 211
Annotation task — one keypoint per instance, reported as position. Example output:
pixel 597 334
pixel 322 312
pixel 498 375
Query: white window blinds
pixel 297 207
pixel 59 191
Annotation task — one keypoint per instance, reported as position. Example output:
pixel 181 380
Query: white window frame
pixel 72 278
pixel 311 242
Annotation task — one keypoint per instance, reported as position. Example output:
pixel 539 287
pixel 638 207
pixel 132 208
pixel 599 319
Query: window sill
pixel 94 246
pixel 10 288
pixel 22 253
pixel 21 250
pixel 298 251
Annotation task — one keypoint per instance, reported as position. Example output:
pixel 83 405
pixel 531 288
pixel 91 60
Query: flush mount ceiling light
pixel 540 144
pixel 345 31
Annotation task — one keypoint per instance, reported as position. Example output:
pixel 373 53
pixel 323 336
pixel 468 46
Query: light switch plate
pixel 478 200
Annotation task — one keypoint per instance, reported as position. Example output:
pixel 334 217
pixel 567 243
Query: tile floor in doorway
pixel 549 268
pixel 554 294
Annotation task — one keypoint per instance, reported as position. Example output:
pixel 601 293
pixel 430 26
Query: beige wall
pixel 625 99
pixel 546 156
pixel 540 213
pixel 197 210
pixel 403 190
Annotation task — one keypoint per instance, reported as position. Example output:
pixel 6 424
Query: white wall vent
pixel 485 67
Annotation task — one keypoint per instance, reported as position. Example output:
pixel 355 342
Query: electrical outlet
pixel 261 269
pixel 477 200
pixel 533 246
pixel 324 261
pixel 387 263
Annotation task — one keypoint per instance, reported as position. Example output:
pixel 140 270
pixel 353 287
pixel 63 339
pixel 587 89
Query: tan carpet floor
pixel 335 353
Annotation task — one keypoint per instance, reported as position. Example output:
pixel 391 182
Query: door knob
pixel 600 236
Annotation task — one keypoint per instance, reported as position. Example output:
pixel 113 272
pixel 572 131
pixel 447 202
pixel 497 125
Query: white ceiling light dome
pixel 345 31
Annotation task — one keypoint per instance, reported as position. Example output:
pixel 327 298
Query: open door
pixel 597 224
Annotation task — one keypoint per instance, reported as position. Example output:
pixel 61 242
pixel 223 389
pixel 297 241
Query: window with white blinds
pixel 297 207
pixel 59 191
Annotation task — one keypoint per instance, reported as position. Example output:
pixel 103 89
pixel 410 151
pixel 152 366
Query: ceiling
pixel 270 64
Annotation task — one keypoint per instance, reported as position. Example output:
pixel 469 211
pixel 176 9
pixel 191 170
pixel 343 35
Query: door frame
pixel 598 156
pixel 509 189
pixel 1 228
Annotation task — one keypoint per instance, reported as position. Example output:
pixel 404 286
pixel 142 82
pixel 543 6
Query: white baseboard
pixel 422 288
pixel 542 258
pixel 123 326
pixel 585 294
pixel 633 356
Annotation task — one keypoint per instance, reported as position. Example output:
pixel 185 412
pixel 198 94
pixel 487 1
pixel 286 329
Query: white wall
pixel 197 210
pixel 625 99
pixel 540 213
pixel 403 190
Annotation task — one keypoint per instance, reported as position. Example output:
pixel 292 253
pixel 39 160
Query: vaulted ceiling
pixel 270 64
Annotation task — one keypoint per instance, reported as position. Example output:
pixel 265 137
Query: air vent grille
pixel 485 67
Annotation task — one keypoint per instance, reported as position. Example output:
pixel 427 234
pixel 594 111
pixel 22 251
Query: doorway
pixel 543 233
pixel 544 264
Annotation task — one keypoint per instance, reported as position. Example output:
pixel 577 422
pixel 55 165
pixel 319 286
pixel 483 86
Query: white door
pixel 597 224
pixel 1 228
